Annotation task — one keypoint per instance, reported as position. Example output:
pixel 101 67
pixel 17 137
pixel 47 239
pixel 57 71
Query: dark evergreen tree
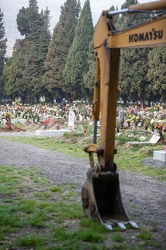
pixel 3 47
pixel 9 73
pixel 22 21
pixel 77 60
pixel 157 73
pixel 134 62
pixel 62 39
pixel 89 77
pixel 32 53
pixel 39 39
pixel 13 73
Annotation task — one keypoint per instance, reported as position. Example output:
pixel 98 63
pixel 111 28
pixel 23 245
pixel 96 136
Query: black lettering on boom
pixel 151 35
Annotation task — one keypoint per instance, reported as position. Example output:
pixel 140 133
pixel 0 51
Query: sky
pixel 10 9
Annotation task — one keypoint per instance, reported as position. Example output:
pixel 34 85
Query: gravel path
pixel 143 197
pixel 56 166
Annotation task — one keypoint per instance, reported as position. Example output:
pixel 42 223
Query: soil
pixel 144 198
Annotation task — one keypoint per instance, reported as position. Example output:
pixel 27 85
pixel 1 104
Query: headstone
pixel 159 155
pixel 50 133
pixel 71 120
pixel 80 117
pixel 154 139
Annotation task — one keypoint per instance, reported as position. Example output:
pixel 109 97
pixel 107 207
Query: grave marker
pixel 71 120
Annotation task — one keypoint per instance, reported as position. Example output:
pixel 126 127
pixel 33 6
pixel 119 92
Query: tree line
pixel 63 64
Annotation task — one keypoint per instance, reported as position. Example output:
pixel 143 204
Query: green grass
pixel 53 221
pixel 146 235
pixel 28 212
pixel 55 189
pixel 132 159
pixel 117 237
pixel 31 241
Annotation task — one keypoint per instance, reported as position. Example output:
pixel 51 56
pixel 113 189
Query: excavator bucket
pixel 101 200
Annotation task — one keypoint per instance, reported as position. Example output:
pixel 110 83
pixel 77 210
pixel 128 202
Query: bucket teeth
pixel 133 224
pixel 107 226
pixel 121 225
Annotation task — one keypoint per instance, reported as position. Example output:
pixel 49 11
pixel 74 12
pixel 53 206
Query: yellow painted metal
pixel 109 61
pixel 157 5
pixel 101 30
pixel 96 96
pixel 151 34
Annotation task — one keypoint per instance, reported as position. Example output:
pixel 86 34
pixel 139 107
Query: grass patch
pixel 26 206
pixel 8 216
pixel 131 159
pixel 117 237
pixel 23 210
pixel 55 189
pixel 50 221
pixel 31 241
pixel 93 226
pixel 83 235
pixel 146 235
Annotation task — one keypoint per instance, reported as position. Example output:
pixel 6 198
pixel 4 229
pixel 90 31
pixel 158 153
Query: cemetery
pixel 135 126
pixel 53 117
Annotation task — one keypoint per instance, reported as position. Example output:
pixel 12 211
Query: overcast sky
pixel 10 9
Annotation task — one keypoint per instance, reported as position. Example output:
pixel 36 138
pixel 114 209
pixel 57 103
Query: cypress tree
pixel 32 52
pixel 157 73
pixel 3 47
pixel 89 77
pixel 9 74
pixel 77 61
pixel 62 39
pixel 39 39
pixel 22 21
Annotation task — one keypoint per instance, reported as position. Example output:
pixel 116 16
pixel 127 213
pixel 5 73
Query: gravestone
pixel 159 155
pixel 71 120
pixel 154 139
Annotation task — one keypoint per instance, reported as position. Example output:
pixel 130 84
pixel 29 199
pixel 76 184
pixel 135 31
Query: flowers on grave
pixel 152 124
pixel 131 135
pixel 137 120
pixel 7 116
pixel 147 123
pixel 159 127
pixel 142 138
pixel 128 120
pixel 143 118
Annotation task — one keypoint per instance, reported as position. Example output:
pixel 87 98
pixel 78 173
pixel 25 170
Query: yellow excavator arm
pixel 107 44
pixel 101 192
